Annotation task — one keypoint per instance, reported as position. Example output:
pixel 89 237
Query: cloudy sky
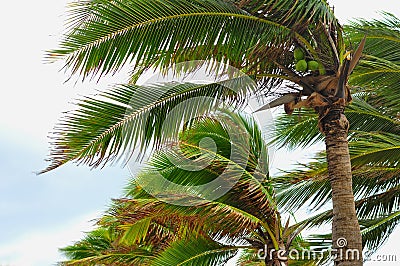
pixel 39 214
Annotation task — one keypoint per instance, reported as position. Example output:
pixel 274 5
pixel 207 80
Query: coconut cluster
pixel 303 66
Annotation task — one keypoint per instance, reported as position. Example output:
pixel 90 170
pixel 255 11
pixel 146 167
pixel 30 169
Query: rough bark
pixel 275 257
pixel 346 235
pixel 276 261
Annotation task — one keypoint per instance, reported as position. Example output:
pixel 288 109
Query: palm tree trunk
pixel 275 260
pixel 346 235
pixel 275 257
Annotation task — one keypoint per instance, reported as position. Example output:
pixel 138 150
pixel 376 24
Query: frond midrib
pixel 385 37
pixel 376 71
pixel 375 151
pixel 370 113
pixel 251 177
pixel 382 222
pixel 208 252
pixel 156 20
pixel 97 257
pixel 210 204
pixel 131 116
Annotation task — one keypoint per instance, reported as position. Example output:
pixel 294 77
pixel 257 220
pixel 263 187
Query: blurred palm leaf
pixel 206 232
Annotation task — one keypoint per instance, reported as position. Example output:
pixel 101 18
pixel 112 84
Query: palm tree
pixel 138 228
pixel 373 147
pixel 257 37
pixel 374 140
pixel 141 229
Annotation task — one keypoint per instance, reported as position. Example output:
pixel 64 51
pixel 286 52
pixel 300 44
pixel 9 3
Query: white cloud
pixel 347 10
pixel 40 248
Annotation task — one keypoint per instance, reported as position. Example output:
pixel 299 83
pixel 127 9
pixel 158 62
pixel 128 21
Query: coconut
pixel 301 66
pixel 313 65
pixel 321 69
pixel 298 54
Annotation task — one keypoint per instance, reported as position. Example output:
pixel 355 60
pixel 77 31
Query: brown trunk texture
pixel 346 235
pixel 275 261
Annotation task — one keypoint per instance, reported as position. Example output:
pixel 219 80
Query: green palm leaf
pixel 128 118
pixel 312 187
pixel 94 244
pixel 300 129
pixel 140 217
pixel 375 149
pixel 297 130
pixel 376 231
pixel 301 14
pixel 107 34
pixel 249 187
pixel 379 70
pixel 208 233
pixel 379 204
pixel 98 247
pixel 196 251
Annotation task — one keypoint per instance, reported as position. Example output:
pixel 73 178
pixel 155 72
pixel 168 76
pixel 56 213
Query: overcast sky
pixel 39 214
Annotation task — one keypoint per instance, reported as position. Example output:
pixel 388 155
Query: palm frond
pixel 309 185
pixel 135 232
pixel 376 231
pixel 129 118
pixel 94 243
pixel 221 220
pixel 297 130
pixel 248 205
pixel 378 71
pixel 375 149
pixel 300 129
pixel 370 181
pixel 379 204
pixel 299 14
pixel 181 170
pixel 136 258
pixel 365 115
pixel 378 217
pixel 99 247
pixel 374 158
pixel 382 34
pixel 108 34
pixel 200 251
